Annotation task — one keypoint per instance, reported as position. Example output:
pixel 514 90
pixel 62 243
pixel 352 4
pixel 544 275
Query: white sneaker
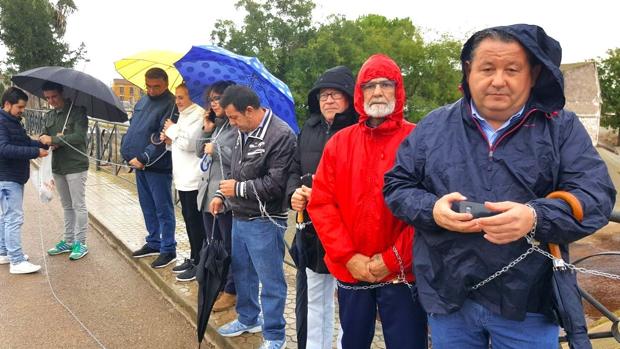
pixel 6 260
pixel 24 267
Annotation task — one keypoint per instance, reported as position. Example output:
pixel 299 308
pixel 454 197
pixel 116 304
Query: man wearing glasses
pixel 143 150
pixel 330 103
pixel 367 249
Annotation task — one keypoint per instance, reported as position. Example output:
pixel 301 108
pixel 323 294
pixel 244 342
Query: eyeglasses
pixel 215 99
pixel 385 85
pixel 336 95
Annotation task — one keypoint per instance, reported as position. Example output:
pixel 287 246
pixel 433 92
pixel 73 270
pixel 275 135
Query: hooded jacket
pixel 547 150
pixel 347 206
pixel 310 143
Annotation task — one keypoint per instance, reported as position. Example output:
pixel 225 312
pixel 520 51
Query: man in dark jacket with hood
pixel 331 108
pixel 142 149
pixel 508 143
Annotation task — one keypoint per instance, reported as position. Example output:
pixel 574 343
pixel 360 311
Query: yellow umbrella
pixel 134 67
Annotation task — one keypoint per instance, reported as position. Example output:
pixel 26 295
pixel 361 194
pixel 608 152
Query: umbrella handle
pixel 575 206
pixel 300 217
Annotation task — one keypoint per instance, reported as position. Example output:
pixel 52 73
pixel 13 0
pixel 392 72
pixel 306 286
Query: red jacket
pixel 347 205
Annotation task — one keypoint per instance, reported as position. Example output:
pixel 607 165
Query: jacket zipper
pixel 493 147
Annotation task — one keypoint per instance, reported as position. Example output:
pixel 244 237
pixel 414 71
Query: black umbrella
pixel 211 273
pixel 565 292
pixel 84 90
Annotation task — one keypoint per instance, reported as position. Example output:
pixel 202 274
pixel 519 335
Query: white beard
pixel 379 110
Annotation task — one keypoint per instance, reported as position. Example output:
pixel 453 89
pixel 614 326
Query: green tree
pixel 609 78
pixel 33 32
pixel 271 31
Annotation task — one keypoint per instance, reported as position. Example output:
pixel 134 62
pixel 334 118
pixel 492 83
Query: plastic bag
pixel 45 179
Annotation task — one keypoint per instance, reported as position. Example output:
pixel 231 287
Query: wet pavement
pixel 104 291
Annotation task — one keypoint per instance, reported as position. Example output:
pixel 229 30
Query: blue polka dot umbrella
pixel 203 65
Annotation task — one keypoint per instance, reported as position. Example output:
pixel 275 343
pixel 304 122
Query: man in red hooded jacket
pixel 366 248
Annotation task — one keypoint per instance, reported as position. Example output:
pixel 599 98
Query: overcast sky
pixel 115 29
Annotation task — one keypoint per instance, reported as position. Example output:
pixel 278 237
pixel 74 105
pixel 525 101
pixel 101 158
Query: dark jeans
pixel 155 196
pixel 223 231
pixel 193 222
pixel 402 317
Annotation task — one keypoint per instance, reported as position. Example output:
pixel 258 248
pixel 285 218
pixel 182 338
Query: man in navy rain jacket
pixel 16 150
pixel 507 143
pixel 153 164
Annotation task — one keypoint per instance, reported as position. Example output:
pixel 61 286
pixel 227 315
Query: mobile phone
pixel 476 209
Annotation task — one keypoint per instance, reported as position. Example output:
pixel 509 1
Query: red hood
pixel 380 66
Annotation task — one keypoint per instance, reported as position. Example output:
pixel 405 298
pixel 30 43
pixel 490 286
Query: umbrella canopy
pixel 564 288
pixel 203 65
pixel 84 90
pixel 211 273
pixel 134 67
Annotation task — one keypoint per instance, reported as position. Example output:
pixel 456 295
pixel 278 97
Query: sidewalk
pixel 114 211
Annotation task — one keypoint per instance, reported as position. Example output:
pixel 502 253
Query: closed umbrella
pixel 203 65
pixel 565 292
pixel 211 273
pixel 83 89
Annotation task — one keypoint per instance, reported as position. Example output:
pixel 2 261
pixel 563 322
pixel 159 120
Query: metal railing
pixel 614 332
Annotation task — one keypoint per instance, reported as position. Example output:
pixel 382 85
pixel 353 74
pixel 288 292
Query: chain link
pixel 400 279
pixel 558 264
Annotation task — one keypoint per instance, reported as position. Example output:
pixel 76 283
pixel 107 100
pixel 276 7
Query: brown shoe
pixel 225 301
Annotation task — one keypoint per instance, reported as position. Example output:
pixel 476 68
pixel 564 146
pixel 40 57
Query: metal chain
pixel 401 276
pixel 534 246
pixel 364 287
pixel 503 270
pixel 400 279
pixel 303 225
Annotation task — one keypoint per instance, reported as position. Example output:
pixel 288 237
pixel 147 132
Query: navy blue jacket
pixel 147 121
pixel 548 150
pixel 16 149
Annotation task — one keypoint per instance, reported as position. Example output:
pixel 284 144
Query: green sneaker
pixel 78 251
pixel 61 247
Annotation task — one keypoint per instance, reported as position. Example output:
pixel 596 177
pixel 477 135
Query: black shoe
pixel 188 275
pixel 145 251
pixel 163 260
pixel 187 263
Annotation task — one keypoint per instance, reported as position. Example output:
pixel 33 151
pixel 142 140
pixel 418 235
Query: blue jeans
pixel 155 196
pixel 258 255
pixel 474 327
pixel 11 220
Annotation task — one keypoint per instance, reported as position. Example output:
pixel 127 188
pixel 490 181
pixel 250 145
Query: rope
pixel 49 282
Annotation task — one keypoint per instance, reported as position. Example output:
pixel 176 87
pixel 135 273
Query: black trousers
pixel 402 317
pixel 193 222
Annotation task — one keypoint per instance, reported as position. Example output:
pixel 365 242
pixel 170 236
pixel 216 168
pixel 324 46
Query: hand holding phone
pixel 477 210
